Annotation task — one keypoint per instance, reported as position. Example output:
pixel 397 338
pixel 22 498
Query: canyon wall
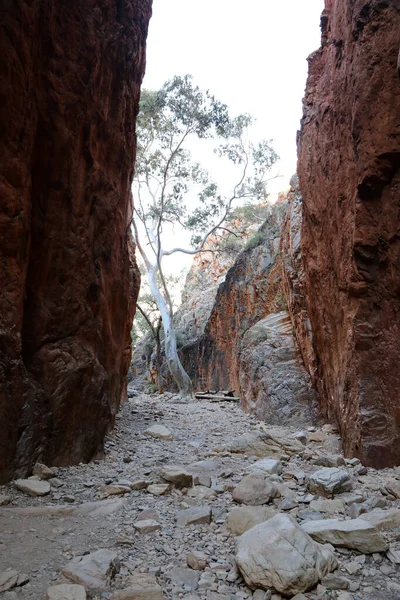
pixel 70 76
pixel 349 173
pixel 248 343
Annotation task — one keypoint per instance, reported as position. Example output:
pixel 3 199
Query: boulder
pixel 33 487
pixel 383 520
pixel 43 472
pixel 197 515
pixel 196 560
pixel 329 481
pixel 90 570
pixel 158 489
pixel 255 489
pixel 177 475
pixel 265 443
pixel 242 518
pixel 65 591
pixel 279 554
pixel 267 465
pixel 355 534
pixel 141 586
pixel 8 580
pixel 146 525
pixel 159 432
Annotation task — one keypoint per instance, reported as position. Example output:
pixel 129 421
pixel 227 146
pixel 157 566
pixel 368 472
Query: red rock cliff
pixel 70 75
pixel 349 171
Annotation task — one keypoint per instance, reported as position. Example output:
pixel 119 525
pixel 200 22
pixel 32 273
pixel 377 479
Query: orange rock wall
pixel 349 172
pixel 70 75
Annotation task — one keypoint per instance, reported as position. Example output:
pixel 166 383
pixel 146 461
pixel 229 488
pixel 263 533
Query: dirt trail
pixel 40 546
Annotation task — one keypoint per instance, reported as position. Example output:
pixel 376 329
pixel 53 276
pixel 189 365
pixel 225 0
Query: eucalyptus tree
pixel 170 122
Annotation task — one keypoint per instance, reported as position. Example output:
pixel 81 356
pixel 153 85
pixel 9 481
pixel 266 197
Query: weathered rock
pixel 142 586
pixel 90 570
pixel 327 506
pixel 383 520
pixel 393 487
pixel 242 518
pixel 194 516
pixel 279 554
pixel 68 276
pixel 329 481
pixel 355 534
pixel 158 489
pixel 265 443
pixel 115 490
pixel 177 475
pixel 349 178
pixel 330 460
pixel 33 487
pixel 267 465
pixel 65 591
pixel 147 525
pixel 8 580
pixel 4 499
pixel 43 472
pixel 274 383
pixel 159 432
pixel 358 509
pixel 196 560
pixel 255 489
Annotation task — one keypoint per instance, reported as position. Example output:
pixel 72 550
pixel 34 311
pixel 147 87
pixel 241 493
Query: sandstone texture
pixel 349 174
pixel 70 79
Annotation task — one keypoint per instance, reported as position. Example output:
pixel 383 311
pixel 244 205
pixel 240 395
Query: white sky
pixel 251 55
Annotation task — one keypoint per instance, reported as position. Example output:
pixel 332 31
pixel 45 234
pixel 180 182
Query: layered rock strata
pixel 349 172
pixel 70 79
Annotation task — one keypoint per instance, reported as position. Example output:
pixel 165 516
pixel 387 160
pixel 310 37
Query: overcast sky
pixel 251 55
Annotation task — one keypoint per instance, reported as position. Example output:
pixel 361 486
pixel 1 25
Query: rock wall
pixel 70 77
pixel 248 343
pixel 349 172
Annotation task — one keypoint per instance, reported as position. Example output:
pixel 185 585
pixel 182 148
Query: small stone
pixel 329 481
pixel 159 432
pixel 142 586
pixel 69 499
pixel 33 487
pixel 267 465
pixel 66 592
pixel 330 460
pixel 393 555
pixel 255 489
pixel 186 577
pixel 335 582
pixel 115 490
pixel 177 475
pixel 139 484
pixel 158 489
pixel 4 499
pixel 8 580
pixel 91 570
pixel 202 493
pixel 146 526
pixel 194 516
pixel 196 560
pixel 43 472
pixel 262 595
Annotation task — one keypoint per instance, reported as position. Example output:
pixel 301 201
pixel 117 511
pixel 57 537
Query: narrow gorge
pixel 288 485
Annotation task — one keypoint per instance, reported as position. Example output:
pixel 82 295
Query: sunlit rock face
pixel 349 172
pixel 70 79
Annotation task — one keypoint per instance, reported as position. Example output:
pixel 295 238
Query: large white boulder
pixel 255 489
pixel 279 554
pixel 329 481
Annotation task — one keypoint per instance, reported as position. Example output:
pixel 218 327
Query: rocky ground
pixel 131 527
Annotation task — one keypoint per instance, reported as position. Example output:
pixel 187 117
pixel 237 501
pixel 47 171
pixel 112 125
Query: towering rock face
pixel 70 77
pixel 248 343
pixel 349 171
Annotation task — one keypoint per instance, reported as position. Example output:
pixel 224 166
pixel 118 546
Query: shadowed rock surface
pixel 70 79
pixel 349 159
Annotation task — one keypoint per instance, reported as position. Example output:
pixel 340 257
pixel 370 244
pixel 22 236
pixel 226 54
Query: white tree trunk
pixel 175 367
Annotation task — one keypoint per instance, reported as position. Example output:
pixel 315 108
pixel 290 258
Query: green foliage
pixel 256 240
pixel 165 172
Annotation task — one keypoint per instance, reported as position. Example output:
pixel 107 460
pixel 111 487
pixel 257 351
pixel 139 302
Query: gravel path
pixel 40 546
